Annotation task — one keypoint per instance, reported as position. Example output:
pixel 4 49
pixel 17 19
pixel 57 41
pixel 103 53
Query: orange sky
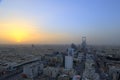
pixel 59 21
pixel 18 31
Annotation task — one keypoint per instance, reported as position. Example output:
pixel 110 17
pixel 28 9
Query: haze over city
pixel 59 21
pixel 59 39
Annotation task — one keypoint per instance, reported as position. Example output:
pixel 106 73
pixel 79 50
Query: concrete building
pixel 32 70
pixel 51 72
pixel 63 77
pixel 69 72
pixel 80 56
pixel 68 62
pixel 70 51
pixel 76 77
pixel 83 43
pixel 114 72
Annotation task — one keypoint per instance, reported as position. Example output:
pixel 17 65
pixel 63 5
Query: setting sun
pixel 18 34
pixel 16 31
pixel 20 31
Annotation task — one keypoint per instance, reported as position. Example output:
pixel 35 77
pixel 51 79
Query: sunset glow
pixel 20 31
pixel 16 31
pixel 18 34
pixel 59 21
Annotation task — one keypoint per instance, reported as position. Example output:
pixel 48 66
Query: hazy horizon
pixel 60 22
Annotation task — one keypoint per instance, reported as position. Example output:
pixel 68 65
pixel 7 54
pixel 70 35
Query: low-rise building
pixel 63 77
pixel 51 71
pixel 32 70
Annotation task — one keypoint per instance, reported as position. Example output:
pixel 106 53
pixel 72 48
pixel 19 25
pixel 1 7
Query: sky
pixel 59 21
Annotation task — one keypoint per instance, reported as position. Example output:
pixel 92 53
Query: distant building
pixel 83 45
pixel 73 46
pixel 70 51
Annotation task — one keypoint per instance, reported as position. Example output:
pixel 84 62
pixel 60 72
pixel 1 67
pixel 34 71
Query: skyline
pixel 59 22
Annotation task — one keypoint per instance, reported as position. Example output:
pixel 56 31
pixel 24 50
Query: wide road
pixel 81 67
pixel 11 75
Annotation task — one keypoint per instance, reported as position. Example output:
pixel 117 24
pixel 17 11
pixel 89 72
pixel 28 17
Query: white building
pixel 68 62
pixel 32 70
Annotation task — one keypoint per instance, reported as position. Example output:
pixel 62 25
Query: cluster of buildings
pixel 90 71
pixel 56 66
pixel 76 63
pixel 108 62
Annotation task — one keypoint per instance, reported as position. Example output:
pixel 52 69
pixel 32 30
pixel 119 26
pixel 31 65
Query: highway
pixel 81 66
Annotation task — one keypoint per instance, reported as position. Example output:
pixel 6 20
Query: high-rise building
pixel 68 62
pixel 70 51
pixel 69 58
pixel 83 45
